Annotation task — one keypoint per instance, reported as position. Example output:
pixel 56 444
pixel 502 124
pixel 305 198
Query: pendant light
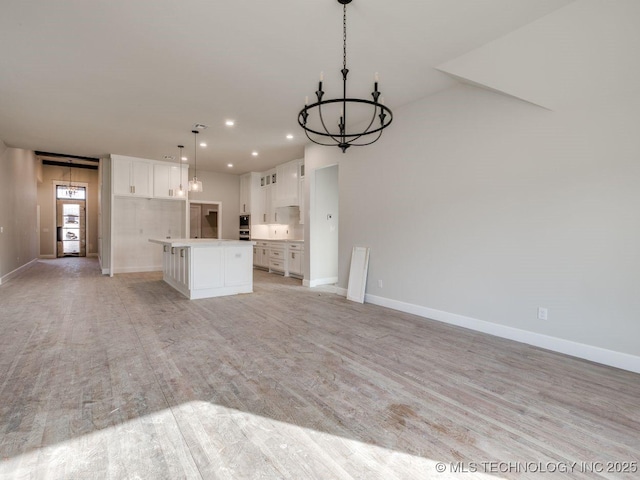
pixel 195 185
pixel 312 118
pixel 71 190
pixel 180 192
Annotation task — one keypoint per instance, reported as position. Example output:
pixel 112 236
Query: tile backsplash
pixel 278 232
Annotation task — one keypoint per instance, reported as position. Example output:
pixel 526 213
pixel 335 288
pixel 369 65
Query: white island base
pixel 204 268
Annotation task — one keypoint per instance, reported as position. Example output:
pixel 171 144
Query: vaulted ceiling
pixel 130 77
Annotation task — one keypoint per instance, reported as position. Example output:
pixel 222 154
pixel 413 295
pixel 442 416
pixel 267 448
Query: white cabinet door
pixel 245 193
pixel 268 212
pixel 142 178
pixel 167 179
pixel 287 187
pixel 294 262
pixel 162 181
pixel 251 196
pixel 263 254
pixel 132 177
pixel 121 173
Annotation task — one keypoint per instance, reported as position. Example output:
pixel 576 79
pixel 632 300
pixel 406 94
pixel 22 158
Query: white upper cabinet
pixel 245 193
pixel 286 189
pixel 132 176
pixel 251 195
pixel 167 179
pixel 137 177
pixel 264 195
pixel 268 212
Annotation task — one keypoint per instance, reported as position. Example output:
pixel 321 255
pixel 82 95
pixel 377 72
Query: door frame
pixel 204 202
pixel 56 183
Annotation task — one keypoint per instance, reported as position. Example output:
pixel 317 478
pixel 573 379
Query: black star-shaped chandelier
pixel 312 120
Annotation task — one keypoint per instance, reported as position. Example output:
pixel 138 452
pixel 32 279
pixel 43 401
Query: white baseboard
pixel 611 358
pixel 136 269
pixel 320 281
pixel 17 271
pixel 53 257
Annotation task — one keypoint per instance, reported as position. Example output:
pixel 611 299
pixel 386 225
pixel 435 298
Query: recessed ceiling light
pixel 229 123
pixel 254 153
pixel 169 157
pixel 230 165
pixel 289 137
pixel 203 144
pixel 184 159
pixel 199 126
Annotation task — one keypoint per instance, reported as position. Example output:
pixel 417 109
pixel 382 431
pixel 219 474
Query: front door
pixel 71 222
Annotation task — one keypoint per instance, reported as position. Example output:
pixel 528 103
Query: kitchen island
pixel 204 268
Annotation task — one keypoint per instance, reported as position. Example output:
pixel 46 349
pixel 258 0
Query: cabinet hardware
pixel 173 250
pixel 165 248
pixel 182 253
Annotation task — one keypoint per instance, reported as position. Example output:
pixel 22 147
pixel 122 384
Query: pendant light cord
pixel 195 153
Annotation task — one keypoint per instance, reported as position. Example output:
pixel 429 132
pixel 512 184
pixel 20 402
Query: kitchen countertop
pixel 276 240
pixel 195 242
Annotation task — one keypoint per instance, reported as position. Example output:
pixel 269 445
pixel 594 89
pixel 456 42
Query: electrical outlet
pixel 543 314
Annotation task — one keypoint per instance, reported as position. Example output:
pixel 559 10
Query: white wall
pixel 18 207
pixel 483 207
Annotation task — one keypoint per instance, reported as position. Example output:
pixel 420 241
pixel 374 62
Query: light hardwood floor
pixel 124 378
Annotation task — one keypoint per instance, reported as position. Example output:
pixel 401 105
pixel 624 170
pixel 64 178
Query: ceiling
pixel 132 78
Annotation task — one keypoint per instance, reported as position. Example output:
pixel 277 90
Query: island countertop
pixel 199 242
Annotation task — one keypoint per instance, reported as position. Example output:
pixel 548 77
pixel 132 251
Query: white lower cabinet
pixel 284 256
pixel 295 252
pixel 261 254
pixel 277 258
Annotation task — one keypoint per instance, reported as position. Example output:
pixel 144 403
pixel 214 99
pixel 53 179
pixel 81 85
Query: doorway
pixel 205 220
pixel 71 231
pixel 324 195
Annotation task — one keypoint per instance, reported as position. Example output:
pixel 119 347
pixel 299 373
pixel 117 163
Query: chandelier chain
pixel 344 36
